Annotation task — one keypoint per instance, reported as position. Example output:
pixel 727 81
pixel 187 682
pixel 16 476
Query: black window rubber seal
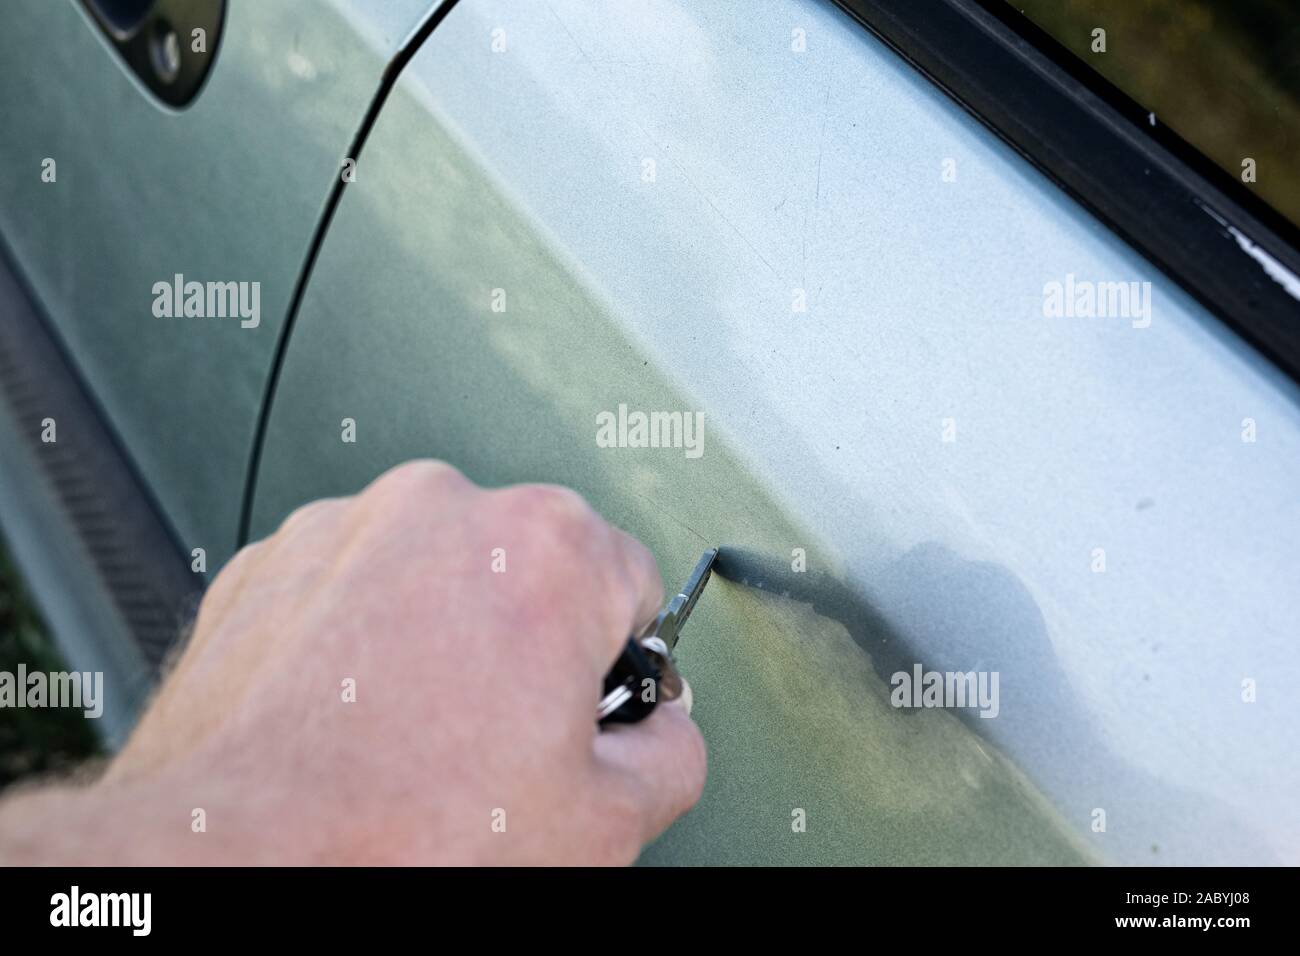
pixel 1194 221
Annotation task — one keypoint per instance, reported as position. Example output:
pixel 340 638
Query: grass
pixel 34 741
pixel 1220 73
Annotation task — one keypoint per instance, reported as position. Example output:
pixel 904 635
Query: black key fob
pixel 631 687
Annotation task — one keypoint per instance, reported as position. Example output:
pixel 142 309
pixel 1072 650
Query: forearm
pixel 157 822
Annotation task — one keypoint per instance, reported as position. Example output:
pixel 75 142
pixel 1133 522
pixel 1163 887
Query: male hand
pixel 363 687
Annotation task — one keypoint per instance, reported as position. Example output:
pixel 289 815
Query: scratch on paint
pixel 817 192
pixel 707 198
pixel 658 506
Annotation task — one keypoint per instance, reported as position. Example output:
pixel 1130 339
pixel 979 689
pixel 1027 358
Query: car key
pixel 649 657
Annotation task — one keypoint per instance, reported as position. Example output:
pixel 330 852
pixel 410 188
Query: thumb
pixel 662 759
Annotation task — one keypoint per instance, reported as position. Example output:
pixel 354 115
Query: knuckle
pixel 641 571
pixel 560 520
pixel 305 515
pixel 420 476
pixel 553 504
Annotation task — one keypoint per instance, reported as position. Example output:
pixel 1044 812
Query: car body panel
pixel 228 189
pixel 820 173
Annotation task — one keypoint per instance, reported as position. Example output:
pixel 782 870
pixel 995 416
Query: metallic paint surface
pixel 229 189
pixel 821 170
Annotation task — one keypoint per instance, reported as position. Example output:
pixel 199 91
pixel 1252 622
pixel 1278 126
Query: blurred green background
pixel 49 739
pixel 1223 74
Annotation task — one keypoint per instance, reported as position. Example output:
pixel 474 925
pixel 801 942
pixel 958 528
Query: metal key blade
pixel 654 648
pixel 673 618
